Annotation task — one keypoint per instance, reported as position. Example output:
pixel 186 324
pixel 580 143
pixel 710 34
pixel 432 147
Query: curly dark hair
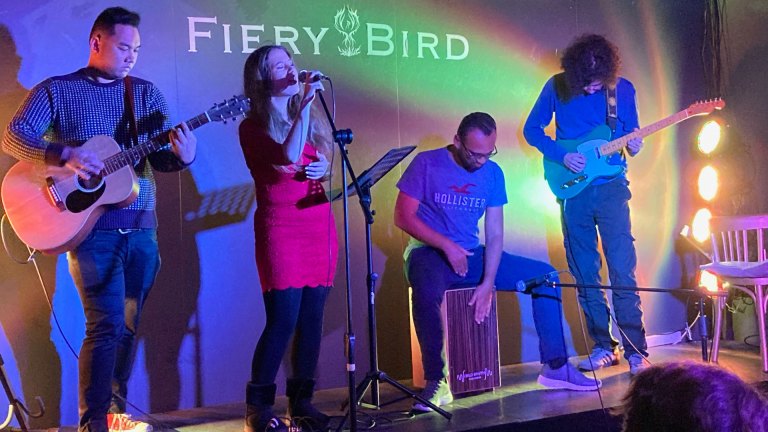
pixel 589 58
pixel 688 396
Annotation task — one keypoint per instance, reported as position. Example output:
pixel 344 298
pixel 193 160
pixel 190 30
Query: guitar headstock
pixel 229 109
pixel 706 107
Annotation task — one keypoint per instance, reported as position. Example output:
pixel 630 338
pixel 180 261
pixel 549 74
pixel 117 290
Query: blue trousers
pixel 605 207
pixel 430 275
pixel 113 272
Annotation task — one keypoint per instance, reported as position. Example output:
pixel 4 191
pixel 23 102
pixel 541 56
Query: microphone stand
pixel 374 376
pixel 342 138
pixel 702 296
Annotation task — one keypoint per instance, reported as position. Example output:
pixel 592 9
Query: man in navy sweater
pixel 116 265
pixel 579 100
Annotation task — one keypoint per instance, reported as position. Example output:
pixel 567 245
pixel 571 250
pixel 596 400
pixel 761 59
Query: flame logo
pixel 347 23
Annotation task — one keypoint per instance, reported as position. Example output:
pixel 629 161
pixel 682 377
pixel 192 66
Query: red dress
pixel 296 244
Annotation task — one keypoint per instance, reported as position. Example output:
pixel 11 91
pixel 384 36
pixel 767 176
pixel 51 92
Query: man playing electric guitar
pixel 588 95
pixel 116 264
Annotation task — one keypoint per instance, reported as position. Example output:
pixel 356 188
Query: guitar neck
pixel 619 143
pixel 134 154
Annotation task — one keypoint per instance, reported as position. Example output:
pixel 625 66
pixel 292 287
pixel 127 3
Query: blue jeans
pixel 113 272
pixel 605 207
pixel 430 275
pixel 289 310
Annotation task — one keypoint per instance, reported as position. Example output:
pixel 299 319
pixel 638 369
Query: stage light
pixel 709 137
pixel 708 183
pixel 709 281
pixel 701 225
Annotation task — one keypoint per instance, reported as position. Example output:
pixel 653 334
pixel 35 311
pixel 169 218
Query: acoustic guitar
pixel 52 210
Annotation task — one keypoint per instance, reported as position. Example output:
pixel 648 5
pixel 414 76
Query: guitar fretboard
pixel 134 154
pixel 619 143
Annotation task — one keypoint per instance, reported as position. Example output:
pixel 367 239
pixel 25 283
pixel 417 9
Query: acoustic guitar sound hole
pixel 90 184
pixel 87 193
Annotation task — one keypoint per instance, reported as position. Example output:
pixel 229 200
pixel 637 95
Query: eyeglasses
pixel 593 86
pixel 478 156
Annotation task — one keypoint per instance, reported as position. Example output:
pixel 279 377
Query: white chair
pixel 739 258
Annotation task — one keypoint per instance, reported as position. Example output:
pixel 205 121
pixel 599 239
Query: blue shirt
pixel 578 116
pixel 452 199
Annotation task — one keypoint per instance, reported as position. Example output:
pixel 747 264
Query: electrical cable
pixel 31 259
pixel 569 252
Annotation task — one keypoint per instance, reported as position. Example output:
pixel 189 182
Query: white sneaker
pixel 568 378
pixel 637 364
pixel 437 392
pixel 599 359
pixel 124 423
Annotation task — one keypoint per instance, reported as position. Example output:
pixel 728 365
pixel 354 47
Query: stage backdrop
pixel 404 73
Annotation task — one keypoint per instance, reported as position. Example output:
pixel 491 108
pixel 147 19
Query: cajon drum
pixel 471 349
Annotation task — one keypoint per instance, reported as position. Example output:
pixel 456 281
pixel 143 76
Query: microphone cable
pixel 582 315
pixel 331 219
pixel 31 259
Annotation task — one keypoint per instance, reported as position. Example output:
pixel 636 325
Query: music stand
pixel 378 170
pixel 371 381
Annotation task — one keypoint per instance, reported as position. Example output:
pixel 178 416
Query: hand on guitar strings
pixel 183 143
pixel 82 162
pixel 574 162
pixel 635 145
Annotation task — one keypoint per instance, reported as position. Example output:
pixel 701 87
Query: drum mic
pixel 527 285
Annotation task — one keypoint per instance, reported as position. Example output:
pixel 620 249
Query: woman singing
pixel 287 143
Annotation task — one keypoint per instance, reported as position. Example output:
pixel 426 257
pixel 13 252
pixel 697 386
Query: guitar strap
pixel 611 115
pixel 610 104
pixel 139 166
pixel 129 106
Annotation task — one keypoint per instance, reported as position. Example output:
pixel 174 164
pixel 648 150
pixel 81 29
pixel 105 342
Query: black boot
pixel 300 407
pixel 259 417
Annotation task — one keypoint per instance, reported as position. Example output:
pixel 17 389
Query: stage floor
pixel 520 404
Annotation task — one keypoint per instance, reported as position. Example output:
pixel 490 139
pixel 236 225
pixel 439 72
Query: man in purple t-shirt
pixel 443 195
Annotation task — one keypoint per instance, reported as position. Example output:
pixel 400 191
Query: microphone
pixel 305 75
pixel 529 284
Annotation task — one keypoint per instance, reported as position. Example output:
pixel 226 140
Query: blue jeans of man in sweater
pixel 113 272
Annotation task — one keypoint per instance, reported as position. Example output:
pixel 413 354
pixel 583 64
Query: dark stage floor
pixel 520 404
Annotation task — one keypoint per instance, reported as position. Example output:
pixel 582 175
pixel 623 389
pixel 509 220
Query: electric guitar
pixel 597 147
pixel 52 210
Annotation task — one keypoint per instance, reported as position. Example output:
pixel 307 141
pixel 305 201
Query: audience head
pixel 688 396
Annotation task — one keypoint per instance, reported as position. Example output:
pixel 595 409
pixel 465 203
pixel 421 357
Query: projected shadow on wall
pixel 24 313
pixel 170 320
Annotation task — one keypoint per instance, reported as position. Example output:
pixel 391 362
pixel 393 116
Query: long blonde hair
pixel 257 83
